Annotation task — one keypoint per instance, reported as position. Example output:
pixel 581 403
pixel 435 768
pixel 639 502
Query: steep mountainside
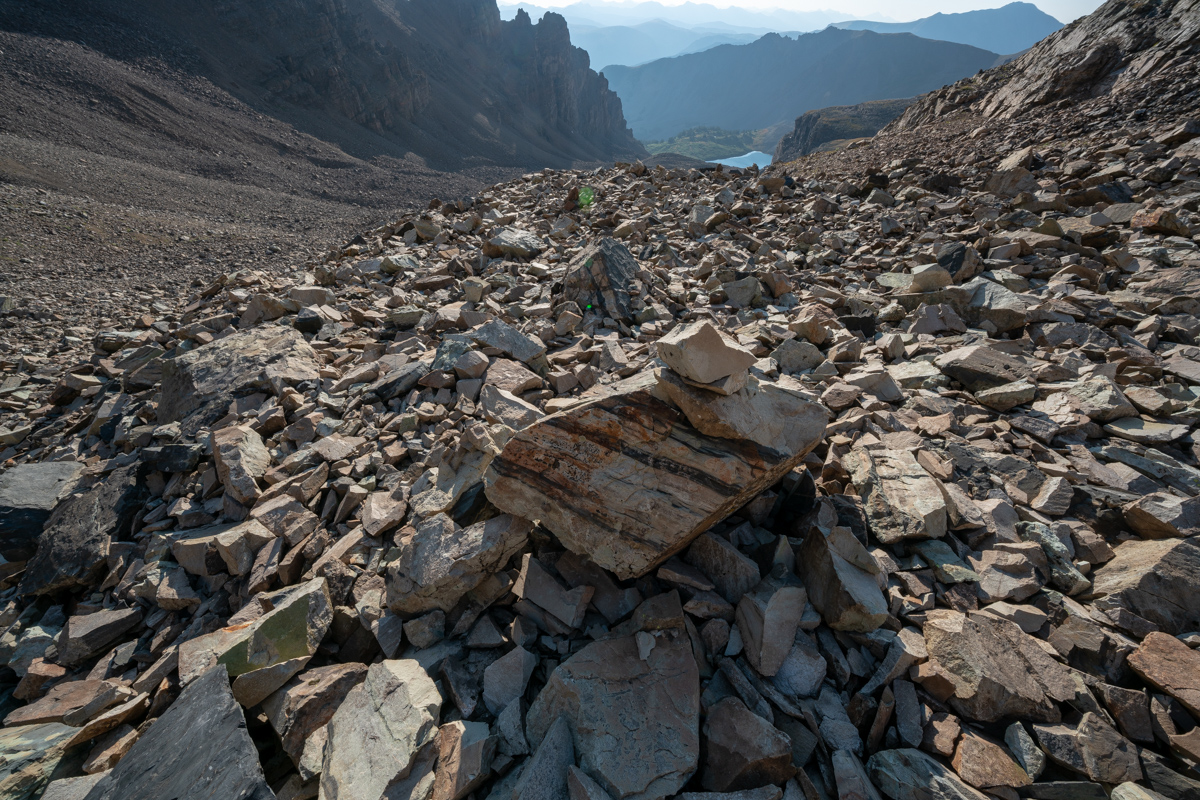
pixel 1110 52
pixel 1008 29
pixel 167 140
pixel 445 79
pixel 815 128
pixel 777 78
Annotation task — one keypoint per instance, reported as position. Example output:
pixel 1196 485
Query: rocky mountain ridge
pixel 1112 51
pixel 815 128
pixel 449 81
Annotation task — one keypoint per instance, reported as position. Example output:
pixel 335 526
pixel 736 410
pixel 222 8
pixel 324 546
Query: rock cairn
pixel 633 484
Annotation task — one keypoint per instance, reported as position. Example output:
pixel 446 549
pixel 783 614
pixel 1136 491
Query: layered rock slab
pixel 629 480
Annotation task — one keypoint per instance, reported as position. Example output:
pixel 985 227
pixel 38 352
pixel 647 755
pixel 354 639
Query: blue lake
pixel 748 160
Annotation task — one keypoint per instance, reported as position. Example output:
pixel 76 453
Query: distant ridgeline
pixel 1009 29
pixel 776 79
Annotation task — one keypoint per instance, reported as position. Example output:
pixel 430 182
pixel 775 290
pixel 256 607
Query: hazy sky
pixel 900 10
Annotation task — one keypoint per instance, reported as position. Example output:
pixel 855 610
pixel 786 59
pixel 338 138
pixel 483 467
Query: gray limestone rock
pixel 635 721
pixel 377 734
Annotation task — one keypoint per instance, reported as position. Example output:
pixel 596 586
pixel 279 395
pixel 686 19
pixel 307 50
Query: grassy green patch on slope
pixel 707 144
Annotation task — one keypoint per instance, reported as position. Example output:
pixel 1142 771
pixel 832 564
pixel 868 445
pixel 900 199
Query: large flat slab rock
pixel 28 493
pixel 1170 665
pixel 634 716
pixel 198 749
pixel 987 669
pixel 1158 580
pixel 628 480
pixel 979 367
pixel 73 547
pixel 198 386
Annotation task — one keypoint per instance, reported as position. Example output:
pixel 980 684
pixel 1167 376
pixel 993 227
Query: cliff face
pixel 447 79
pixel 815 128
pixel 1107 52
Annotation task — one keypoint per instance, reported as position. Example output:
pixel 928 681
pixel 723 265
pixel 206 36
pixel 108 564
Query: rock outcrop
pixel 827 126
pixel 1106 53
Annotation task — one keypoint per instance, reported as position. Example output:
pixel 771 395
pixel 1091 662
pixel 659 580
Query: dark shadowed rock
pixel 74 545
pixel 600 280
pixel 28 493
pixel 913 775
pixel 219 760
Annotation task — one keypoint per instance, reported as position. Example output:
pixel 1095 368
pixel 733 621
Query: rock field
pixel 868 476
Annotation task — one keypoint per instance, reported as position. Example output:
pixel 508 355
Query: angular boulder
pixel 198 386
pixel 987 668
pixel 297 622
pixel 600 280
pixel 308 701
pixel 31 756
pixel 73 548
pixel 441 562
pixel 1170 666
pixel 1156 580
pixel 840 576
pixel 627 479
pixel 28 494
pixel 219 759
pixel 377 734
pixel 743 750
pixel 701 354
pixel 634 716
pixel 913 775
pixel 901 500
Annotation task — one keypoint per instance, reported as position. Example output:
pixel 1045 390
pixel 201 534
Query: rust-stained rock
pixel 625 479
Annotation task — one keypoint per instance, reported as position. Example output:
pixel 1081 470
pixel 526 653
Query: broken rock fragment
pixel 840 576
pixel 901 500
pixel 440 562
pixel 198 386
pixel 743 750
pixel 1156 580
pixel 600 280
pixel 297 621
pixel 635 718
pixel 218 761
pixel 987 668
pixel 378 732
pixel 700 353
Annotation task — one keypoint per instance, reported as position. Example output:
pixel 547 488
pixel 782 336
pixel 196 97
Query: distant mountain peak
pixel 1011 28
